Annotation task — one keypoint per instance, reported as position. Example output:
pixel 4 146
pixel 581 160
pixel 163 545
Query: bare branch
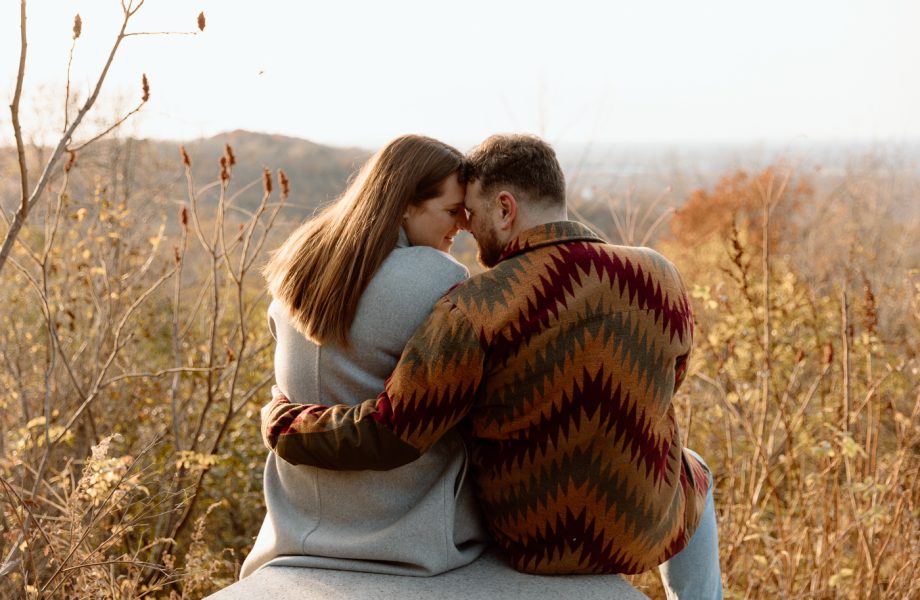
pixel 133 9
pixel 177 296
pixel 29 199
pixel 112 128
pixel 28 510
pixel 648 213
pixel 251 393
pixel 267 228
pixel 134 33
pixel 95 516
pixel 115 350
pixel 250 230
pixel 138 563
pixel 654 226
pixel 597 231
pixel 14 110
pixel 78 24
pixel 159 373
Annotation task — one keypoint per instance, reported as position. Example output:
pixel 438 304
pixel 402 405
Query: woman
pixel 350 286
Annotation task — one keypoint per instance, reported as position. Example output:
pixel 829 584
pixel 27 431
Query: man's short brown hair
pixel 523 162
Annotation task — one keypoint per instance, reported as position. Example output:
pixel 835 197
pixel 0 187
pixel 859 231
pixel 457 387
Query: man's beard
pixel 490 249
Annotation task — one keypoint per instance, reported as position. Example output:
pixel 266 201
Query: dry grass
pixel 809 418
pixel 133 357
pixel 114 326
pixel 804 394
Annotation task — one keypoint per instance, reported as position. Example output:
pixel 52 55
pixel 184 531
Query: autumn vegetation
pixel 134 358
pixel 804 392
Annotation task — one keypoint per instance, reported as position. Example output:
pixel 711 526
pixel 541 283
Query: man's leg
pixel 694 573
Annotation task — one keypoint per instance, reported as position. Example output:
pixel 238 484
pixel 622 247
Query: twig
pixel 28 510
pixel 267 227
pixel 177 353
pixel 29 200
pixel 73 44
pixel 650 208
pixel 135 33
pixel 139 563
pixel 115 350
pixel 597 231
pixel 94 517
pixel 655 225
pixel 112 128
pixel 17 127
pixel 251 393
pixel 159 373
pixel 846 336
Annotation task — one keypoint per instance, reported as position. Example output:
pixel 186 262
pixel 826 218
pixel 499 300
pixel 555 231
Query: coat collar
pixel 548 234
pixel 403 239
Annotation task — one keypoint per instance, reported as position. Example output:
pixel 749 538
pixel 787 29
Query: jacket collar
pixel 403 240
pixel 548 234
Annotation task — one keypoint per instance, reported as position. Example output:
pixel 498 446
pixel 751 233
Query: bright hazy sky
pixel 359 73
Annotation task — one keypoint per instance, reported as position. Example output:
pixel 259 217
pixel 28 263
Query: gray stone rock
pixel 489 577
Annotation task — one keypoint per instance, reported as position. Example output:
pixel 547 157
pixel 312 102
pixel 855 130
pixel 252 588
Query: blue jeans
pixel 694 573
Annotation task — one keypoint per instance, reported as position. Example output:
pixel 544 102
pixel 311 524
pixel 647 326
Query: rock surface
pixel 488 577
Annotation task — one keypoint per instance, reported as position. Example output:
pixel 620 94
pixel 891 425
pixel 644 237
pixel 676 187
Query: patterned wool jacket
pixel 560 363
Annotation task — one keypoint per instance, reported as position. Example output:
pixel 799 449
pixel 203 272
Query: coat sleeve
pixel 684 312
pixel 432 388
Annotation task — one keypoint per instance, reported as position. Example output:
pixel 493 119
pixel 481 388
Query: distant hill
pixel 317 173
pixel 151 171
pixel 127 167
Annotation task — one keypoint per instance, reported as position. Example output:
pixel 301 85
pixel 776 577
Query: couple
pixel 410 396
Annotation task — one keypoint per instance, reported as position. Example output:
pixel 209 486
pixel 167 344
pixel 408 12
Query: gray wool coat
pixel 419 519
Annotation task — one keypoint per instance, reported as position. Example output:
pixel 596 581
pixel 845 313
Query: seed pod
pixel 828 353
pixel 183 217
pixel 224 170
pixel 145 87
pixel 267 181
pixel 285 184
pixel 870 307
pixel 201 21
pixel 185 159
pixel 77 26
pixel 228 152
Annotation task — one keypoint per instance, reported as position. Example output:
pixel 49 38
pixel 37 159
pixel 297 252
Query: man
pixel 561 362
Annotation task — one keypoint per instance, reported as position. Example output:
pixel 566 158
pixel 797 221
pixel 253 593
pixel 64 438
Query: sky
pixel 345 72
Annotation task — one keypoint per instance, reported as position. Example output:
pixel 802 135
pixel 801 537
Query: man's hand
pixel 337 437
pixel 278 398
pixel 432 388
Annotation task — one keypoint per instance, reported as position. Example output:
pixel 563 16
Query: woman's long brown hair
pixel 321 270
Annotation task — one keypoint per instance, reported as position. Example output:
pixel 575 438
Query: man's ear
pixel 507 206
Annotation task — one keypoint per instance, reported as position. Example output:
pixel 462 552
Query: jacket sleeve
pixel 432 388
pixel 684 312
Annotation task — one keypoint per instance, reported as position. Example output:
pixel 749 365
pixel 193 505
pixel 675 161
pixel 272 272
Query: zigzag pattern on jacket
pixel 565 357
pixel 575 434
